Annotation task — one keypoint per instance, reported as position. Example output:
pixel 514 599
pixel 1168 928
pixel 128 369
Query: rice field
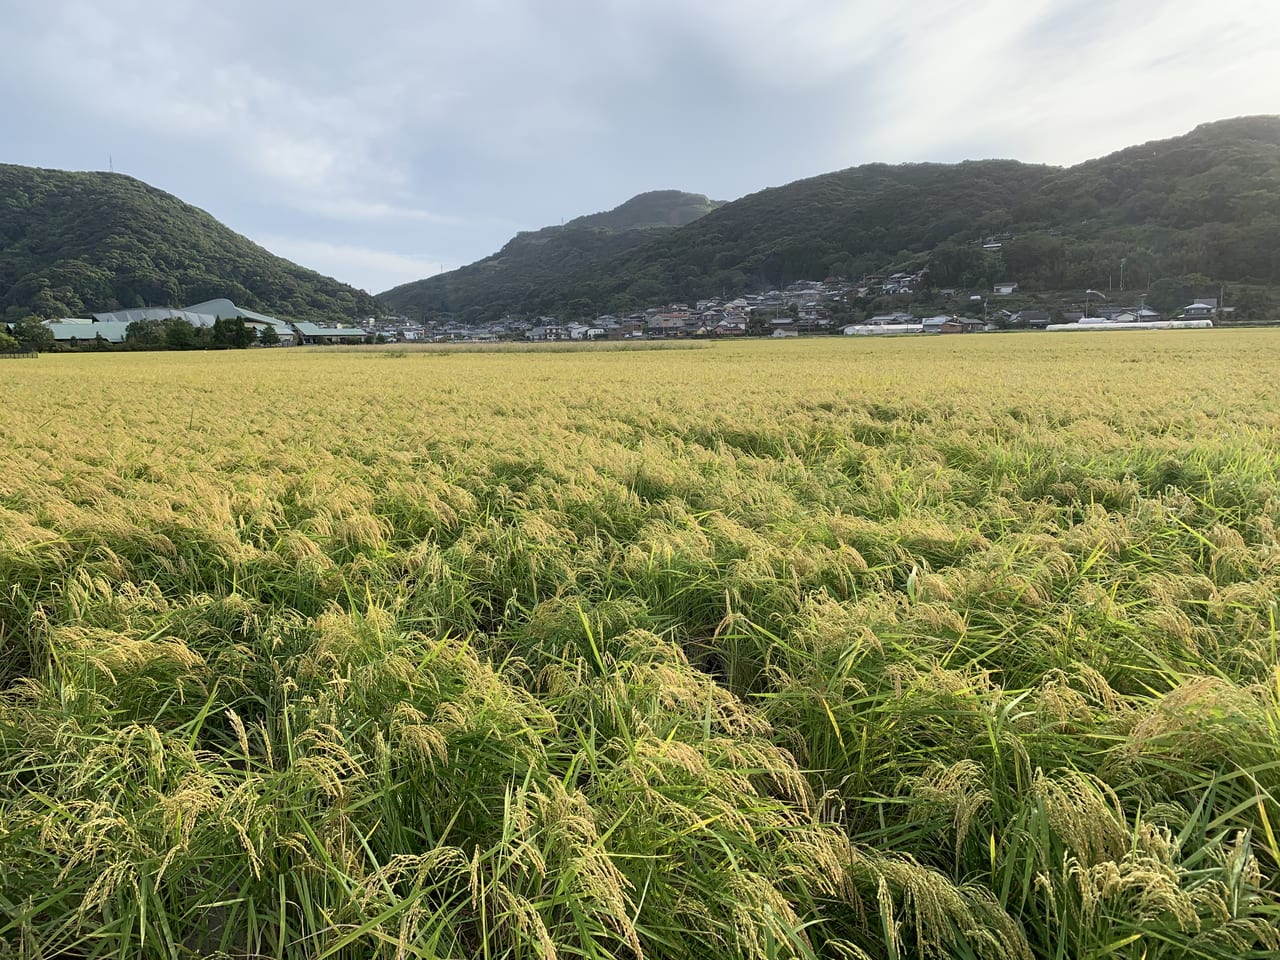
pixel 950 648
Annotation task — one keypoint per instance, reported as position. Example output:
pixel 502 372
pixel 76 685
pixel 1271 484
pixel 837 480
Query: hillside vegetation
pixel 1207 203
pixel 573 253
pixel 929 649
pixel 657 208
pixel 76 243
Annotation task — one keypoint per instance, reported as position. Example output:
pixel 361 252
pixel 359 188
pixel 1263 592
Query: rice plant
pixel 934 648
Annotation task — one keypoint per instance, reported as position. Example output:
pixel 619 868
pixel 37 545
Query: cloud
pixel 369 269
pixel 394 125
pixel 1061 81
pixel 174 77
pixel 347 209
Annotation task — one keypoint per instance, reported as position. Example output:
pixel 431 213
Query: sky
pixel 383 141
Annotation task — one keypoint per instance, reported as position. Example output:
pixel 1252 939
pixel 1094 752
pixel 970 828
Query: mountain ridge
pixel 1206 202
pixel 584 241
pixel 653 208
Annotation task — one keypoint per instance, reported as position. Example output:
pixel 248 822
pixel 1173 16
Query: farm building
pixel 202 314
pixel 963 325
pixel 76 330
pixel 224 309
pixel 315 334
pixel 113 326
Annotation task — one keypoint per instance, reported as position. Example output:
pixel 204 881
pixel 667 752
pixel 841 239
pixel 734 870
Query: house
pixel 1200 309
pixel 667 324
pixel 547 332
pixel 963 325
pixel 783 332
pixel 1032 319
pixel 1004 289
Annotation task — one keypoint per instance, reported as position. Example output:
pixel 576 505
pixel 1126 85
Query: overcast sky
pixel 380 140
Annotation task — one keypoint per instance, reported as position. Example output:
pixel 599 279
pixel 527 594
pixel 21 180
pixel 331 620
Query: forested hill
pixel 572 253
pixel 75 243
pixel 1206 203
pixel 657 208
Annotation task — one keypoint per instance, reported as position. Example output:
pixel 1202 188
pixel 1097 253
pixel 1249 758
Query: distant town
pixel 803 308
pixel 810 307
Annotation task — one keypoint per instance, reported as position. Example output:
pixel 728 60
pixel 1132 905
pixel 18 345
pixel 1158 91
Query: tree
pixel 180 335
pixel 75 243
pixel 1251 304
pixel 1169 294
pixel 30 331
pixel 219 334
pixel 145 333
pixel 7 343
pixel 239 335
pixel 268 337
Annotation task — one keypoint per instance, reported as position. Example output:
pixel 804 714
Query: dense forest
pixel 657 208
pixel 567 256
pixel 1203 205
pixel 76 243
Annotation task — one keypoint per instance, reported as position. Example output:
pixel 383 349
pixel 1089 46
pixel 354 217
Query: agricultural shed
pixel 203 314
pixel 1201 323
pixel 127 317
pixel 224 309
pixel 316 334
pixel 963 325
pixel 81 330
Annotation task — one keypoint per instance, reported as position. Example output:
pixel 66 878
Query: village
pixel 810 307
pixel 892 304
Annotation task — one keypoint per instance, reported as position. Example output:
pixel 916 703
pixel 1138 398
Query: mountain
pixel 74 243
pixel 657 208
pixel 573 252
pixel 1205 204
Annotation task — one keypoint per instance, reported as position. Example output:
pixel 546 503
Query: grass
pixel 963 647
